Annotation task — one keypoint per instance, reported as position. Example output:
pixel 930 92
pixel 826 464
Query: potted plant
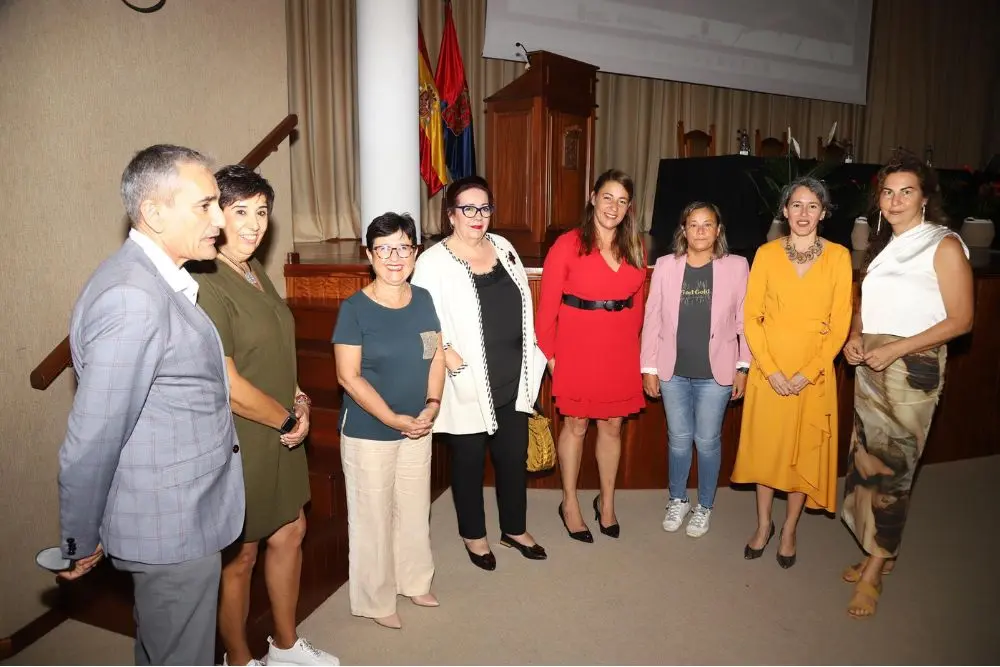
pixel 770 179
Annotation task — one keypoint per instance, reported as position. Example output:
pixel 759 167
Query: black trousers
pixel 508 452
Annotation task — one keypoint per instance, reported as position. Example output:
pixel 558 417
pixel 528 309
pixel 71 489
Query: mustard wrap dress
pixel 795 325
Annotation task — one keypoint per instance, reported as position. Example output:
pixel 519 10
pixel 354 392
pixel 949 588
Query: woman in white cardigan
pixel 481 294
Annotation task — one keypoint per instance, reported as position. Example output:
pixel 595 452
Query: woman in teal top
pixel 387 345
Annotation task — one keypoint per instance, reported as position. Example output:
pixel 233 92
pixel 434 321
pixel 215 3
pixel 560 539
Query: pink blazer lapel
pixel 720 286
pixel 672 299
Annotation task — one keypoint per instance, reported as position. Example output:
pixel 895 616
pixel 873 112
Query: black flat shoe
pixel 534 552
pixel 614 530
pixel 784 561
pixel 486 561
pixel 749 553
pixel 580 535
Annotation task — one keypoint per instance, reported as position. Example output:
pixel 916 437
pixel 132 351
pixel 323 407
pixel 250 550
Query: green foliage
pixel 771 177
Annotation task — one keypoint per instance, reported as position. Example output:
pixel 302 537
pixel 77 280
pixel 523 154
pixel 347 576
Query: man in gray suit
pixel 150 470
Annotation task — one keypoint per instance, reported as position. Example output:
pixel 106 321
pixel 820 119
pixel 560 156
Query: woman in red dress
pixel 589 318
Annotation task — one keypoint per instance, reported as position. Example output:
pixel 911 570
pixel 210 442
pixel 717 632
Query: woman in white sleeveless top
pixel 916 296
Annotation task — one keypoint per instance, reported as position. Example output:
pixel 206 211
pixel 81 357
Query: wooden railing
pixel 59 359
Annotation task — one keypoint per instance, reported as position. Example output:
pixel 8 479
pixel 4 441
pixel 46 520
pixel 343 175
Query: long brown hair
pixel 879 234
pixel 627 246
pixel 721 247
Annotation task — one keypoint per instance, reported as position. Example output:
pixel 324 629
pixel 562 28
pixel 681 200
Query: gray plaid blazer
pixel 150 465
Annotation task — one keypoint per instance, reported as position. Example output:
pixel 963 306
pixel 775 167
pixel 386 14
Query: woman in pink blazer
pixel 694 355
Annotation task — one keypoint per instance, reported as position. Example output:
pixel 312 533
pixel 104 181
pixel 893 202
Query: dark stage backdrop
pixel 737 184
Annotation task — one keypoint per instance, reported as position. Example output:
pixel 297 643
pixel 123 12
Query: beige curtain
pixel 637 124
pixel 933 78
pixel 321 84
pixel 929 83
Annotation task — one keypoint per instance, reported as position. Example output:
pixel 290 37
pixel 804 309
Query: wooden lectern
pixel 540 150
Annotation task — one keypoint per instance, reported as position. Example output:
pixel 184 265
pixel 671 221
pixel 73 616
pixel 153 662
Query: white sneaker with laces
pixel 253 661
pixel 676 511
pixel 301 653
pixel 701 517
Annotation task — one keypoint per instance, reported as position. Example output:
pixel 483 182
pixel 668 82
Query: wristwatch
pixel 289 424
pixel 743 369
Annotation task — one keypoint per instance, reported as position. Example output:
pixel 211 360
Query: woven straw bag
pixel 541 446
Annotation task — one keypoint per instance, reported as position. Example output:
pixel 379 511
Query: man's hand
pixel 84 565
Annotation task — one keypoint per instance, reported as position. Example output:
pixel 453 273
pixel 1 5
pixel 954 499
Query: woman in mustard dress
pixel 797 314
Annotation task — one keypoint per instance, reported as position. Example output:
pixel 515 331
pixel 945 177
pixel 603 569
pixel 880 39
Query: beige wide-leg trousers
pixel 388 515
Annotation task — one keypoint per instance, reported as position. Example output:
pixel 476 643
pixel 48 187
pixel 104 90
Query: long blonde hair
pixel 627 245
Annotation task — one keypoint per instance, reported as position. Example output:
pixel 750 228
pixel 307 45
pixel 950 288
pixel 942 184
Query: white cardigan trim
pixel 467 403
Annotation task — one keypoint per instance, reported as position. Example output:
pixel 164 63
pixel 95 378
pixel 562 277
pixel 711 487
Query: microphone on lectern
pixel 527 59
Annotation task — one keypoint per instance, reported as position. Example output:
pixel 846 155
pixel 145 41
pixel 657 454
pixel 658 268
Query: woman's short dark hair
pixel 721 247
pixel 457 188
pixel 388 224
pixel 238 182
pixel 813 185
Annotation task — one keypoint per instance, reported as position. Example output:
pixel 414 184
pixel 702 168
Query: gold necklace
pixel 247 272
pixel 808 255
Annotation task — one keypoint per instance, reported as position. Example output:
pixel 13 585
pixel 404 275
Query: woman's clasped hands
pixel 784 386
pixel 878 359
pixel 416 427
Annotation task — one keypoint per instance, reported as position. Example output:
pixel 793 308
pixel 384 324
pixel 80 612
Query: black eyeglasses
pixel 470 211
pixel 385 251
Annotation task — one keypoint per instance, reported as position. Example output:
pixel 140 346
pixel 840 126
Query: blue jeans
pixel 695 409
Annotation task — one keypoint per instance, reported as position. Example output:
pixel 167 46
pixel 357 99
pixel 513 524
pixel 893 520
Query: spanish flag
pixel 456 110
pixel 433 168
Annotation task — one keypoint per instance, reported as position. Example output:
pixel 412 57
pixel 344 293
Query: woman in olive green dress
pixel 271 415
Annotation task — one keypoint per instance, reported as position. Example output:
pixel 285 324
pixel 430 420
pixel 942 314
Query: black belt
pixel 609 305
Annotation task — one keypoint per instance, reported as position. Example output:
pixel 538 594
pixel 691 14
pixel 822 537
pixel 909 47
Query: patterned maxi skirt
pixel 892 416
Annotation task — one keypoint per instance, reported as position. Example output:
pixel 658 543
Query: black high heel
pixel 581 535
pixel 486 561
pixel 749 553
pixel 534 552
pixel 784 561
pixel 614 530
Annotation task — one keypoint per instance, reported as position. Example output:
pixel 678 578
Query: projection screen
pixel 816 49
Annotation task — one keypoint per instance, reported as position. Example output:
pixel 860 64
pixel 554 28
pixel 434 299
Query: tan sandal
pixel 852 574
pixel 865 600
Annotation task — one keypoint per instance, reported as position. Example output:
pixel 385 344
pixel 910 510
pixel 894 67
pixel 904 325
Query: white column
pixel 388 107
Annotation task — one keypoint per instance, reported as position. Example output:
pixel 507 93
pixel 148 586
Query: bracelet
pixel 303 399
pixel 433 400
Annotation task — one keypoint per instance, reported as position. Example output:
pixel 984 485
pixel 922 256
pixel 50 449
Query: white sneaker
pixel 301 653
pixel 701 517
pixel 676 511
pixel 253 661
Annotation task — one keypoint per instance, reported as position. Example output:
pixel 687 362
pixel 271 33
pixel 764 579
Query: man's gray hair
pixel 149 172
